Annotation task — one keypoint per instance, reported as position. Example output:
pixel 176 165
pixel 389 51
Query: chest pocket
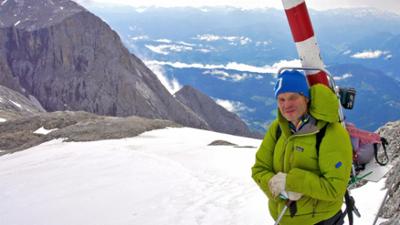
pixel 304 155
pixel 305 151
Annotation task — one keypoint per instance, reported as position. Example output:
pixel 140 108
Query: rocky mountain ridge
pixel 79 63
pixel 391 208
pixel 219 119
pixel 69 59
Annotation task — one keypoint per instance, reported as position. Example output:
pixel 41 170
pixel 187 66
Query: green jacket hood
pixel 324 105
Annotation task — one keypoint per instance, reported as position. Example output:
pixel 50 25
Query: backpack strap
pixel 278 133
pixel 384 144
pixel 319 137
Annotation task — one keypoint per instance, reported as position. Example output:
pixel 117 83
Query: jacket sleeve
pixel 262 171
pixel 335 161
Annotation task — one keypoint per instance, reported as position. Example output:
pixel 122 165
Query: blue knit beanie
pixel 291 81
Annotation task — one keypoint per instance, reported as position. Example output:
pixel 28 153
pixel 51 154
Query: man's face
pixel 292 106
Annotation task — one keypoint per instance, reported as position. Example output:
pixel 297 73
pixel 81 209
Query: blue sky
pixel 390 5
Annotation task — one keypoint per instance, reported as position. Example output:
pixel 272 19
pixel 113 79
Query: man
pixel 290 165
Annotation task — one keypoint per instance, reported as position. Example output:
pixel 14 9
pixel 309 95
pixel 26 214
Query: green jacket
pixel 321 179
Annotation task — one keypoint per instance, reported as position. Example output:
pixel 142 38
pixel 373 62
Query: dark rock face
pixel 14 105
pixel 70 59
pixel 218 118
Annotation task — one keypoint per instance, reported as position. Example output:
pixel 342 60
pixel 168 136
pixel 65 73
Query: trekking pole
pixel 288 202
pixel 380 207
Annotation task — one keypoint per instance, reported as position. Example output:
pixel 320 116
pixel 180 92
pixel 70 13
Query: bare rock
pixel 20 134
pixel 14 105
pixel 217 117
pixel 391 209
pixel 69 59
pixel 221 142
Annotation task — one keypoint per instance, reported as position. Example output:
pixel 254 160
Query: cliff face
pixel 218 118
pixel 391 209
pixel 70 59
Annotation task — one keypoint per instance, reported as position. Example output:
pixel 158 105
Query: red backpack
pixel 365 147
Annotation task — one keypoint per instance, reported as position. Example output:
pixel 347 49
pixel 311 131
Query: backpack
pixel 361 144
pixel 366 146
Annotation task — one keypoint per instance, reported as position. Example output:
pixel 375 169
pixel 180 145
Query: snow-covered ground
pixel 162 177
pixel 42 130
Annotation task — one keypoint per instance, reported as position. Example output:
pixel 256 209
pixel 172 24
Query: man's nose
pixel 287 104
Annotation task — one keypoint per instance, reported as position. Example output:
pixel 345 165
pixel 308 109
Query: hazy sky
pixel 391 5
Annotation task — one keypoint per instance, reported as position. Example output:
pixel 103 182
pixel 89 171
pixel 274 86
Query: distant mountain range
pixel 231 54
pixel 256 37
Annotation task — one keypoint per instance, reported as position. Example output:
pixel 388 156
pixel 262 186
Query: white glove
pixel 277 183
pixel 294 196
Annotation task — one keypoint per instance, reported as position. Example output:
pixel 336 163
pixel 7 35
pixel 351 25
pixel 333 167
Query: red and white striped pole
pixel 306 43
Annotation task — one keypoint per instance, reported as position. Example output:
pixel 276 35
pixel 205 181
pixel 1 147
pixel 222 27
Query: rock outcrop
pixel 28 131
pixel 14 105
pixel 391 209
pixel 217 117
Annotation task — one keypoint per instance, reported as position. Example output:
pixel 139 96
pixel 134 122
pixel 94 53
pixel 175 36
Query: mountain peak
pixel 69 59
pixel 217 117
pixel 32 15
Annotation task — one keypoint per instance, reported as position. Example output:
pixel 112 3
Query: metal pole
pixel 382 204
pixel 303 35
pixel 281 215
pixel 287 204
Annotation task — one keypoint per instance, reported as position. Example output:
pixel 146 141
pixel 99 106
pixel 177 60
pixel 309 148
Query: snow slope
pixel 162 177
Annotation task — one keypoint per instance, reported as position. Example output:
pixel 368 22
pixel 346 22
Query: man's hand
pixel 294 196
pixel 277 183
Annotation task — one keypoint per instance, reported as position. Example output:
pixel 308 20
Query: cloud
pixel 136 38
pixel 234 66
pixel 263 43
pixel 171 85
pixel 204 50
pixel 169 46
pixel 389 56
pixel 369 54
pixel 185 43
pixel 157 49
pixel 164 41
pixel 223 75
pixel 346 52
pixel 344 76
pixel 232 39
pixel 233 106
pixel 166 49
pixel 390 5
